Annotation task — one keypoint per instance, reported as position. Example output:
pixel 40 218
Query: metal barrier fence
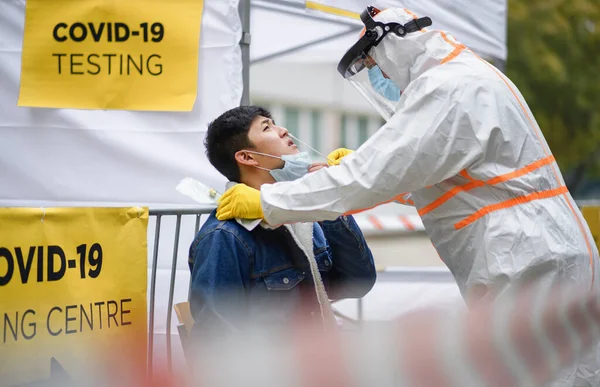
pixel 158 214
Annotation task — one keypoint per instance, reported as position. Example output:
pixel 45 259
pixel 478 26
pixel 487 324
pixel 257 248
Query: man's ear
pixel 245 158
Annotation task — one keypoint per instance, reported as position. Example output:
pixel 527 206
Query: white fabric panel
pixel 75 157
pixel 481 25
pixel 274 31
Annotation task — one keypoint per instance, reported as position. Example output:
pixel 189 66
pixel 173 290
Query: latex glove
pixel 335 157
pixel 240 201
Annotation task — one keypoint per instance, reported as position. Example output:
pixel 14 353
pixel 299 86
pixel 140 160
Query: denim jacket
pixel 262 276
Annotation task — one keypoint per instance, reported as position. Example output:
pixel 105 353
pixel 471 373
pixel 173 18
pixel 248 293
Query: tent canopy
pixel 288 31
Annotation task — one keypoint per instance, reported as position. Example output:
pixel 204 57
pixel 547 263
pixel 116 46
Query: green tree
pixel 554 59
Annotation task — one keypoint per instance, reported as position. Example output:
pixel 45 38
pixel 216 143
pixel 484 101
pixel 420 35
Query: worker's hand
pixel 335 157
pixel 316 166
pixel 240 201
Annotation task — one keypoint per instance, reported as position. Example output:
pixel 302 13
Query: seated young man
pixel 247 273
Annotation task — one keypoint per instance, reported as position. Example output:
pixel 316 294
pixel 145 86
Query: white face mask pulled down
pixel 295 165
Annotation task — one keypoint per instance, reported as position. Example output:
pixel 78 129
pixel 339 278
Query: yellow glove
pixel 240 201
pixel 335 157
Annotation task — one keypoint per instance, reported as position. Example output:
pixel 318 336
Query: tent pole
pixel 244 10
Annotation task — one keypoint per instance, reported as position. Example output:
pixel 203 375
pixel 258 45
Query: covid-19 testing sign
pixel 72 292
pixel 98 54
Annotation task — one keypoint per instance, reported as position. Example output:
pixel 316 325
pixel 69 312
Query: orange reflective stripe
pixel 510 203
pixel 536 131
pixel 453 54
pixel 450 42
pixel 414 17
pixel 449 195
pixel 375 222
pixel 523 171
pixel 465 174
pixel 458 48
pixel 478 183
pixel 411 14
pixel 400 198
pixel 397 198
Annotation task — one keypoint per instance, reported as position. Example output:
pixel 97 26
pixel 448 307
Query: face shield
pixel 362 71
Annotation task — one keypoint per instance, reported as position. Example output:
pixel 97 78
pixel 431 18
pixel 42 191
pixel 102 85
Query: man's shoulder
pixel 215 226
pixel 216 234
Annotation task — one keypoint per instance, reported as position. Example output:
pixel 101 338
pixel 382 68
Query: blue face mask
pixel 295 166
pixel 382 85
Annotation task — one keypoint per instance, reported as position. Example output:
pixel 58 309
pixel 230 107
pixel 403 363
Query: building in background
pixel 314 103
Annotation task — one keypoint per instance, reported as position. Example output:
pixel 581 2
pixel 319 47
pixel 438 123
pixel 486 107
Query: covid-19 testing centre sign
pixel 72 291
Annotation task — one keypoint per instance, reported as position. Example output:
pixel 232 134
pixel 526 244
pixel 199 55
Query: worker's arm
pixel 335 158
pixel 429 139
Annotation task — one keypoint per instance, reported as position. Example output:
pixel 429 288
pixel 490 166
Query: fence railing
pixel 158 213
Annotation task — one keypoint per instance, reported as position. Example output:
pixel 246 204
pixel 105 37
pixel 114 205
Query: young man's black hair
pixel 228 134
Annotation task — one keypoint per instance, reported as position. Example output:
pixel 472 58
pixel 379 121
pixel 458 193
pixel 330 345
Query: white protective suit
pixel 465 145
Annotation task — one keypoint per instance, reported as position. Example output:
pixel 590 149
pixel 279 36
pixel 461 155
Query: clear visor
pixel 370 81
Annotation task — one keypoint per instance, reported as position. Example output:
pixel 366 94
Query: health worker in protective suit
pixel 460 144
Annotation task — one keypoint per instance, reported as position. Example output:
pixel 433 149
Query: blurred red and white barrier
pixel 382 224
pixel 522 339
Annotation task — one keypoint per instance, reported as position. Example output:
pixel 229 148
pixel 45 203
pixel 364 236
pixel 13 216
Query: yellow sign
pixel 100 54
pixel 72 291
pixel 592 216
